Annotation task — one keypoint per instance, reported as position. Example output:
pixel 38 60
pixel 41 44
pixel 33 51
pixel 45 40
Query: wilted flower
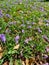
pixel 27 40
pixel 2 37
pixel 17 38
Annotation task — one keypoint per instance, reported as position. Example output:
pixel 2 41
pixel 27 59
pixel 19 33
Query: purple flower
pixel 22 31
pixel 17 38
pixel 12 23
pixel 45 64
pixel 1 14
pixel 47 21
pixel 45 38
pixel 45 56
pixel 39 30
pixel 29 27
pixel 2 37
pixel 47 48
pixel 42 9
pixel 33 23
pixel 7 15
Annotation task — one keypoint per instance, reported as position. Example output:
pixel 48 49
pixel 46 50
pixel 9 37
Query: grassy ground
pixel 25 29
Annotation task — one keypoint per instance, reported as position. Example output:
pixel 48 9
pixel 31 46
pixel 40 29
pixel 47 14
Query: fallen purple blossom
pixel 7 15
pixel 42 9
pixel 33 23
pixel 45 56
pixel 45 38
pixel 1 14
pixel 39 30
pixel 3 38
pixel 22 31
pixel 29 26
pixel 17 38
pixel 47 49
pixel 47 21
pixel 12 23
pixel 45 64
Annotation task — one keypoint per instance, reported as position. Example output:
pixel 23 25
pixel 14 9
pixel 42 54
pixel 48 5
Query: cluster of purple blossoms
pixel 3 38
pixel 17 38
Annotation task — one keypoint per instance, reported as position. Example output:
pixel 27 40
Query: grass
pixel 23 15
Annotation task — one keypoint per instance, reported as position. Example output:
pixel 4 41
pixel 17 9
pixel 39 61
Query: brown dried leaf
pixel 40 22
pixel 17 46
pixel 32 38
pixel 37 63
pixel 27 61
pixel 1 55
pixel 31 60
pixel 1 49
pixel 6 63
pixel 23 63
